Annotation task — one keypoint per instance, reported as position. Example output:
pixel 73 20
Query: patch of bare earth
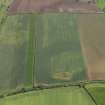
pixel 92 32
pixel 23 6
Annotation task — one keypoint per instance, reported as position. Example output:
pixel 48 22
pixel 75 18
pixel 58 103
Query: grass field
pixel 98 92
pixel 60 96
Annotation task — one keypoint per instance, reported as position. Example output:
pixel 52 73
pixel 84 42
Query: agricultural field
pixel 58 52
pixel 13 53
pixel 49 49
pixel 57 96
pixel 98 92
pixel 55 57
pixel 52 55
pixel 91 29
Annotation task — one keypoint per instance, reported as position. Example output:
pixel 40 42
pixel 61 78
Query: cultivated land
pixel 55 56
pixel 14 37
pixel 91 28
pixel 45 49
pixel 60 96
pixel 98 92
pixel 58 52
pixel 26 6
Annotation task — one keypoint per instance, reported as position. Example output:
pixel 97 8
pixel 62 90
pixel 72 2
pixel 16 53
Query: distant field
pixel 98 92
pixel 60 96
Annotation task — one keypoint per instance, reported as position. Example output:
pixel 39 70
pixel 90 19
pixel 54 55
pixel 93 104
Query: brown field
pixel 92 31
pixel 23 6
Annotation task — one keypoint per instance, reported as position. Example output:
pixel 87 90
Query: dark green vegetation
pixel 98 92
pixel 59 96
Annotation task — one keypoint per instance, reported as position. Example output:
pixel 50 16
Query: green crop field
pixel 52 54
pixel 14 49
pixel 98 92
pixel 60 96
pixel 58 42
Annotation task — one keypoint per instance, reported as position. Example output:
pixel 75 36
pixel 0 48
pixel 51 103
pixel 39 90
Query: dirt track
pixel 21 6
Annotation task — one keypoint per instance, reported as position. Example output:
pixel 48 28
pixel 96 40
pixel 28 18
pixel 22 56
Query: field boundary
pixel 39 88
pixel 90 95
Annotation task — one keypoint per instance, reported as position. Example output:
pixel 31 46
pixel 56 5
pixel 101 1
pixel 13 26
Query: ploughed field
pixel 91 28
